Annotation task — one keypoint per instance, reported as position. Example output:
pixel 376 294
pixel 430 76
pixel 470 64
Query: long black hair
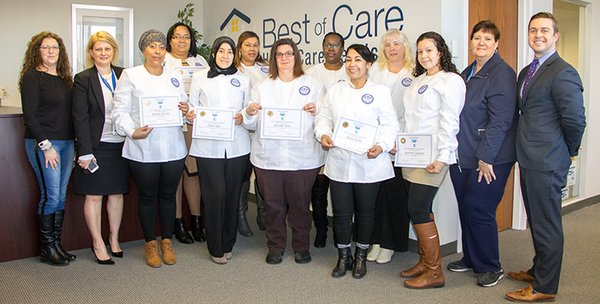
pixel 193 52
pixel 445 55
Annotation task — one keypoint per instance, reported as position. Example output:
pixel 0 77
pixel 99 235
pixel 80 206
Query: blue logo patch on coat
pixel 265 70
pixel 367 98
pixel 235 82
pixel 198 64
pixel 304 90
pixel 406 81
pixel 175 82
pixel 422 89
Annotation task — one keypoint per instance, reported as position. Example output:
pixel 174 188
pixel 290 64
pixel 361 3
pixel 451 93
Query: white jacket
pixel 272 154
pixel 344 100
pixel 432 105
pixel 226 92
pixel 327 77
pixel 162 144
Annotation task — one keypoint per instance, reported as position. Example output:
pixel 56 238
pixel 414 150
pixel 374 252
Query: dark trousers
pixel 156 181
pixel 287 196
pixel 477 204
pixel 319 202
pixel 353 200
pixel 420 200
pixel 221 180
pixel 542 197
pixel 391 214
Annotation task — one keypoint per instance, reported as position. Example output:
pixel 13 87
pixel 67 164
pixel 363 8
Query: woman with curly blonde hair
pixel 45 83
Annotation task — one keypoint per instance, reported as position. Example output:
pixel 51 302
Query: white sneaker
pixel 373 253
pixel 385 256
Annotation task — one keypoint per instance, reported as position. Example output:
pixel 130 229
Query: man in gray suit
pixel 551 124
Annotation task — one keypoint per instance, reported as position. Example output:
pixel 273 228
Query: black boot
pixel 181 233
pixel 48 252
pixel 198 228
pixel 59 217
pixel 261 220
pixel 360 263
pixel 344 262
pixel 243 226
pixel 319 209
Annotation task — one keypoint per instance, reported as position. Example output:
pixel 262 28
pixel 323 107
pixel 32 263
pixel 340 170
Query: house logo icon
pixel 234 20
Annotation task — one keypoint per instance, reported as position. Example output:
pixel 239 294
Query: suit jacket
pixel 488 120
pixel 551 118
pixel 88 109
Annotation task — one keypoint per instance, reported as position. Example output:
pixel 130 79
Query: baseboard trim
pixel 581 204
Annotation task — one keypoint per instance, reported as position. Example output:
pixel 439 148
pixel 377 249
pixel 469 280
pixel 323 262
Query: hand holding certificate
pixel 354 135
pixel 413 150
pixel 278 123
pixel 160 111
pixel 213 123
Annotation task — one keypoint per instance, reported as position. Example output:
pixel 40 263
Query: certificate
pixel 186 73
pixel 413 150
pixel 279 123
pixel 353 135
pixel 160 111
pixel 213 123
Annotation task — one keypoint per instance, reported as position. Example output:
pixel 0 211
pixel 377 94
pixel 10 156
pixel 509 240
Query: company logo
pixel 304 90
pixel 234 17
pixel 367 98
pixel 175 82
pixel 406 81
pixel 235 82
pixel 422 89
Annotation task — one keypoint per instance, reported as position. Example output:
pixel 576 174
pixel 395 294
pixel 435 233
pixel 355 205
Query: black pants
pixel 156 181
pixel 353 199
pixel 221 184
pixel 391 214
pixel 420 200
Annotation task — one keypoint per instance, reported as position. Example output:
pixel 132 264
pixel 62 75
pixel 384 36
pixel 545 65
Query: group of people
pixel 471 119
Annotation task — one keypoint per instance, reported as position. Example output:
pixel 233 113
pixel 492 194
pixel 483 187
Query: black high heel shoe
pixel 116 254
pixel 102 262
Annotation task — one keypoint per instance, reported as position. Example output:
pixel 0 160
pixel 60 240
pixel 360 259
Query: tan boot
pixel 433 276
pixel 166 246
pixel 416 270
pixel 152 258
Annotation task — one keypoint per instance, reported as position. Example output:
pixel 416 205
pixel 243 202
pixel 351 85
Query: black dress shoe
pixel 302 257
pixel 102 262
pixel 275 256
pixel 117 254
pixel 181 233
pixel 321 238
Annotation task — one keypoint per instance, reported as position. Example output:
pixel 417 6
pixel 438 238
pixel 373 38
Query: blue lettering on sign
pixel 368 22
pixel 297 31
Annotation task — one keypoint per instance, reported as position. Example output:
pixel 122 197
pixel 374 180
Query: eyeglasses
pixel 286 55
pixel 47 47
pixel 331 46
pixel 186 37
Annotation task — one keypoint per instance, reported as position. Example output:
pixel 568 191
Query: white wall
pixel 22 19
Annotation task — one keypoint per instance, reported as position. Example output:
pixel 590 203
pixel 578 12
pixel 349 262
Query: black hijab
pixel 215 70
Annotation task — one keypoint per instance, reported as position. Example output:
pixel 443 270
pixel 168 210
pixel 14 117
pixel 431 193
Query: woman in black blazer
pixel 98 145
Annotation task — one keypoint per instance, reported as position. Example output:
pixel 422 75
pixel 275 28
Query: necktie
pixel 532 67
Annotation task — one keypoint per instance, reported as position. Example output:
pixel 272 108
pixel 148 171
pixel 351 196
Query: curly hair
pixel 33 58
pixel 238 55
pixel 445 55
pixel 408 60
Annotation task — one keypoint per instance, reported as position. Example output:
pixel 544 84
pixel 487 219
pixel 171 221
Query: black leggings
pixel 156 181
pixel 420 200
pixel 353 199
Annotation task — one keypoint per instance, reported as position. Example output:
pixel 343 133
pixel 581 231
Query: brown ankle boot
pixel 416 270
pixel 152 258
pixel 166 246
pixel 433 276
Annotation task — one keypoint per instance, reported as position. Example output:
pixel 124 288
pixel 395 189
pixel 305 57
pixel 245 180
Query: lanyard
pixel 107 85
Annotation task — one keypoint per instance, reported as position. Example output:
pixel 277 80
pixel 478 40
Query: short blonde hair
pixel 101 36
pixel 409 62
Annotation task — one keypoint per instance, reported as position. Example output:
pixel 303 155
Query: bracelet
pixel 45 145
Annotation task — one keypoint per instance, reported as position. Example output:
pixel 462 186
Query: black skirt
pixel 112 176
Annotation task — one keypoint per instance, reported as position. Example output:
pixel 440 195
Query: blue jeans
pixel 53 182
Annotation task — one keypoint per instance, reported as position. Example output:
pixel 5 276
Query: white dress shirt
pixel 344 100
pixel 256 72
pixel 162 144
pixel 432 105
pixel 275 154
pixel 225 92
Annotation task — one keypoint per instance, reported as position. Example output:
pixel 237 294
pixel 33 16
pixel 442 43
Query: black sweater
pixel 46 101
